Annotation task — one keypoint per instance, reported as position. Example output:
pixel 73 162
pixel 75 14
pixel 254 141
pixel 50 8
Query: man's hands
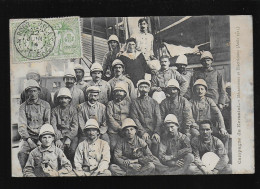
pixel 167 158
pixel 126 162
pixel 50 171
pixel 180 162
pixel 158 89
pixel 146 136
pixel 31 143
pixel 67 142
pixel 220 106
pixel 156 137
pixel 59 144
pixel 135 166
pixel 223 131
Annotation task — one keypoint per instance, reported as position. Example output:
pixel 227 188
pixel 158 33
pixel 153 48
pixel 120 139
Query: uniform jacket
pixel 162 77
pixel 207 109
pixel 146 114
pixel 53 156
pixel 65 122
pixel 187 76
pixel 177 147
pixel 31 117
pixel 116 113
pixel 81 85
pixel 215 82
pixel 92 156
pixel 181 109
pixel 131 92
pixel 97 111
pixel 77 96
pixel 105 88
pixel 199 148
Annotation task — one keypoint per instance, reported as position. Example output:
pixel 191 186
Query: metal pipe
pixel 92 39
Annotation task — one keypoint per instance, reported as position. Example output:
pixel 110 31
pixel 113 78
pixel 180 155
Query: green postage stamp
pixel 45 39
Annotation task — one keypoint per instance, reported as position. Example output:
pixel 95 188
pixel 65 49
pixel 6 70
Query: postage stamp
pixel 45 39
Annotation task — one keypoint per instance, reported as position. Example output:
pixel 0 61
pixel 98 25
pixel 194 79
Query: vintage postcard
pixel 124 96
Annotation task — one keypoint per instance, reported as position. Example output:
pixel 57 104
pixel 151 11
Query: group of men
pixel 115 127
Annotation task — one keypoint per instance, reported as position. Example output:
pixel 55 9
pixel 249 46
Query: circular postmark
pixel 34 39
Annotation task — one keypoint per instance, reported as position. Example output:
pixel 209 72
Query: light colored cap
pixel 173 83
pixel 154 65
pixel 64 92
pixel 210 160
pixel 113 38
pixel 182 59
pixel 128 122
pixel 31 84
pixel 93 89
pixel 118 62
pixel 78 67
pixel 141 81
pixel 46 129
pixel 206 54
pixel 33 71
pixel 96 67
pixel 171 118
pixel 70 73
pixel 200 82
pixel 91 124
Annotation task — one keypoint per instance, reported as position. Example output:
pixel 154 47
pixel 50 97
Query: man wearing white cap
pixel 118 109
pixel 213 78
pixel 204 143
pixel 76 93
pixel 180 107
pixel 64 119
pixel 181 64
pixel 92 109
pixel 113 45
pixel 79 71
pixel 47 160
pixel 33 113
pixel 44 93
pixel 175 149
pixel 118 70
pixel 132 155
pixel 92 155
pixel 145 111
pixel 96 71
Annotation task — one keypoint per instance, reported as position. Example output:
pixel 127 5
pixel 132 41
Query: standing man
pixel 44 94
pixel 118 109
pixel 47 160
pixel 79 71
pixel 134 61
pixel 92 156
pixel 33 113
pixel 145 111
pixel 96 71
pixel 175 149
pixel 160 80
pixel 213 78
pixel 204 143
pixel 76 93
pixel 113 45
pixel 132 155
pixel 181 64
pixel 180 107
pixel 92 109
pixel 118 69
pixel 64 120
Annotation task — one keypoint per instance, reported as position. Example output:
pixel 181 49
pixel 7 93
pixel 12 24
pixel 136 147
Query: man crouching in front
pixel 45 159
pixel 131 154
pixel 92 155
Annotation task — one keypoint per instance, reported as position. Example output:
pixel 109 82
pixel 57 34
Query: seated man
pixel 92 155
pixel 64 119
pixel 180 107
pixel 175 150
pixel 117 110
pixel 44 160
pixel 132 155
pixel 204 143
pixel 145 111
